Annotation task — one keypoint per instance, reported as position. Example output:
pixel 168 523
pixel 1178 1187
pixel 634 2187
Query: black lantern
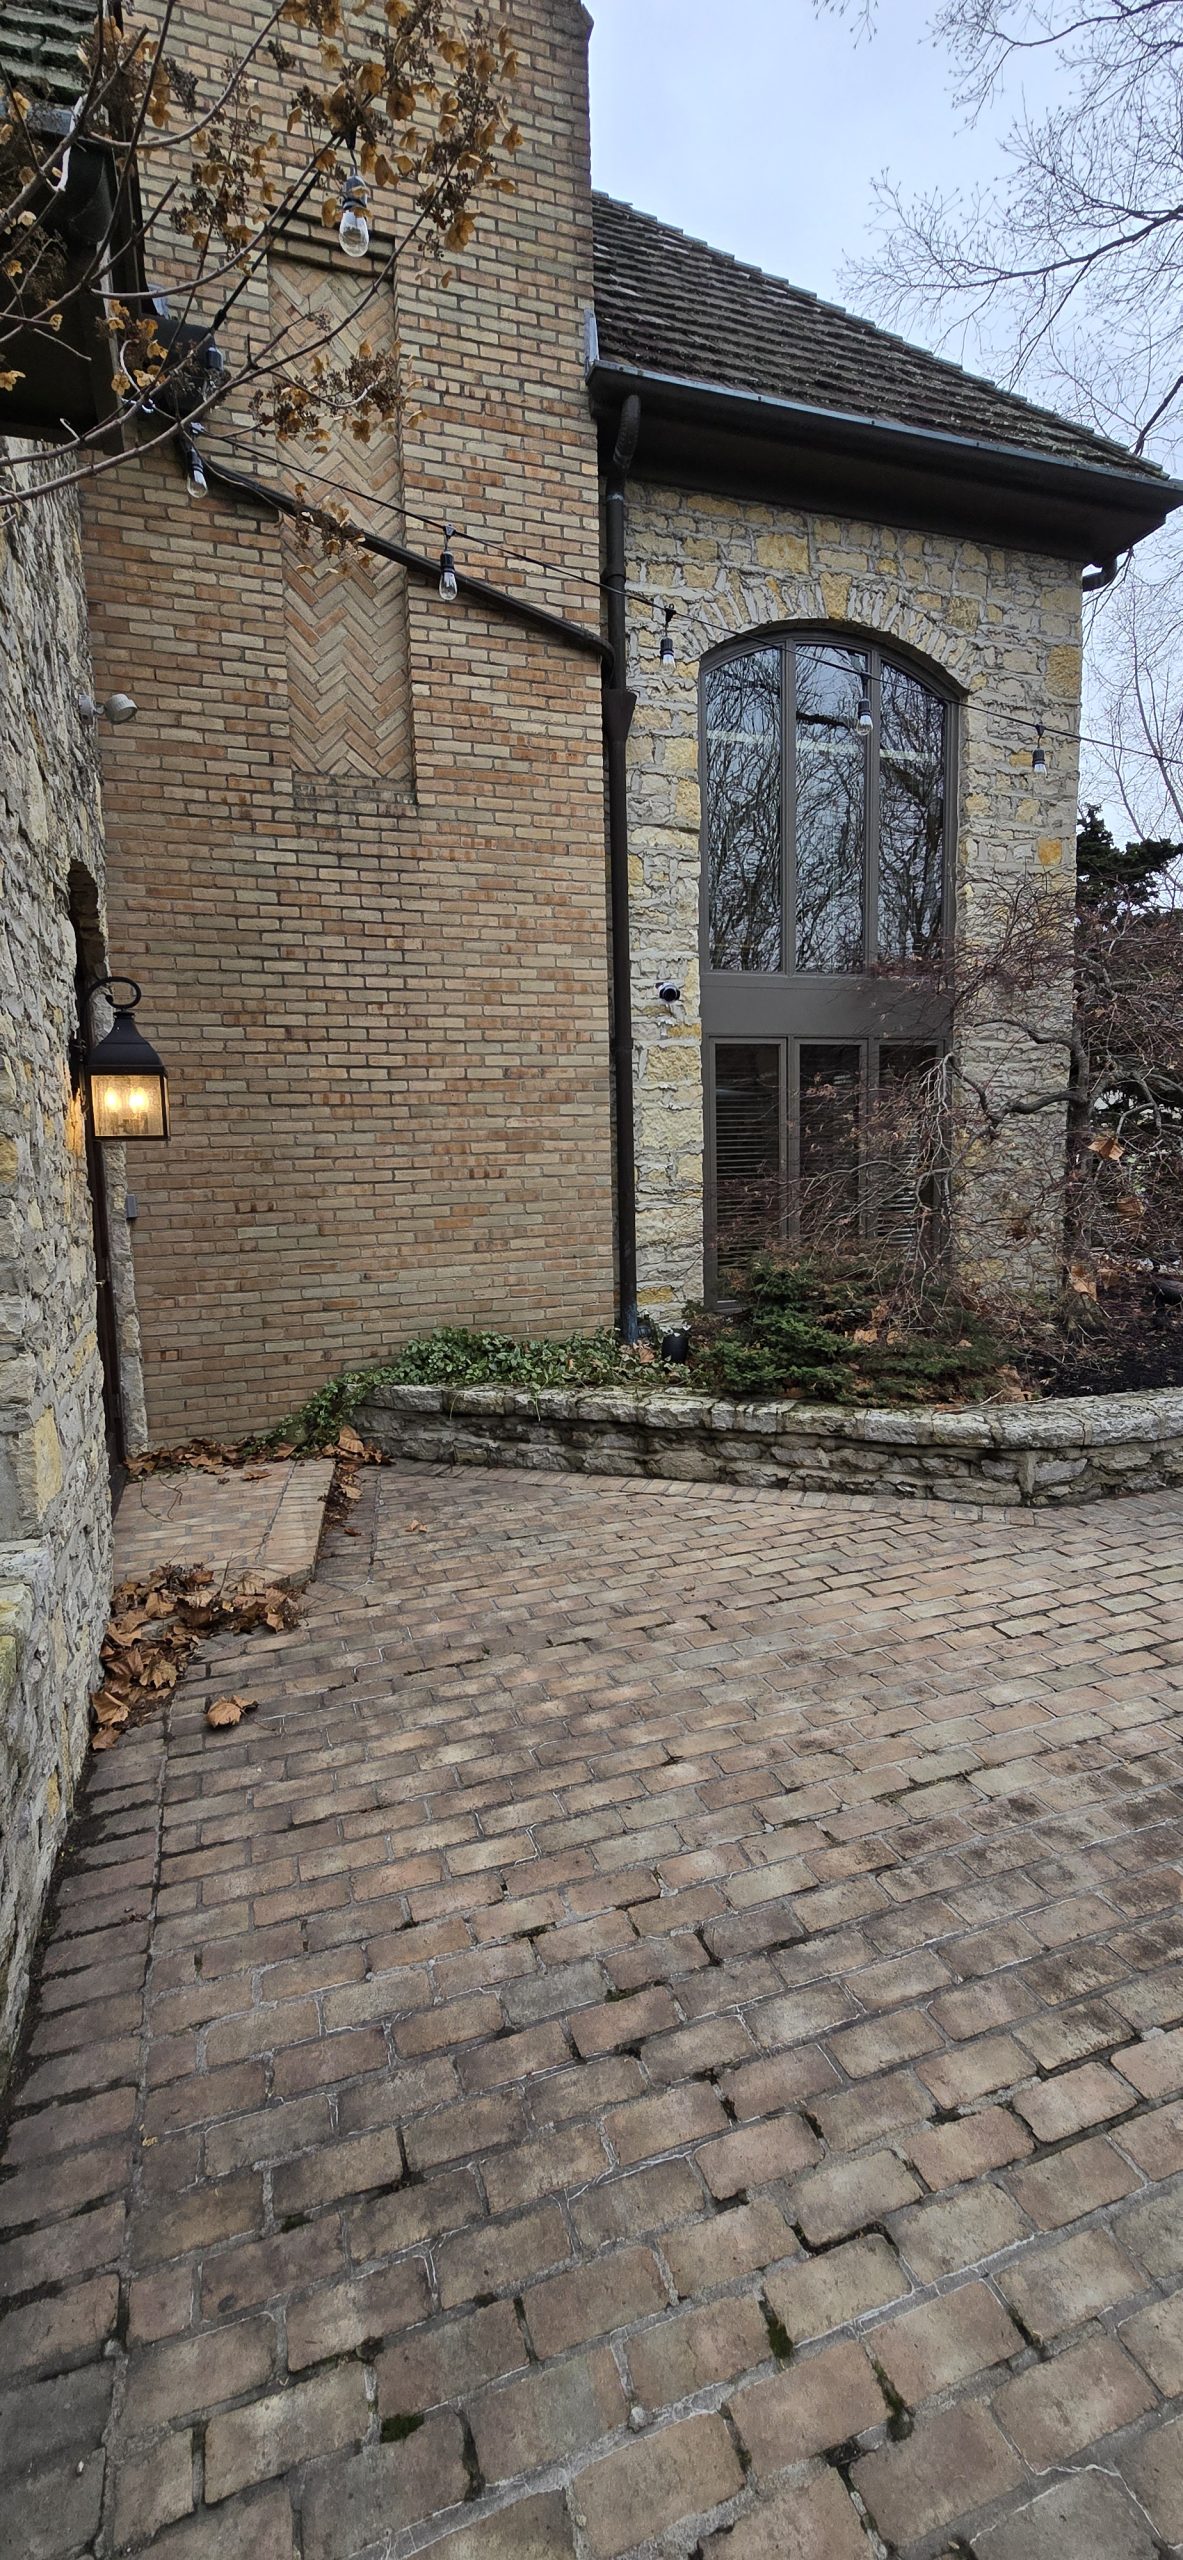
pixel 126 1084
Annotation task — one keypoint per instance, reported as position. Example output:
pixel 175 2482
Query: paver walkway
pixel 263 1521
pixel 662 2035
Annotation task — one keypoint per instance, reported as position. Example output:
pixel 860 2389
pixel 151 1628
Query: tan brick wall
pixel 385 1015
pixel 1004 627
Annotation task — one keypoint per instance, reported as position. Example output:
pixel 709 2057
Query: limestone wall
pixel 1074 1449
pixel 1003 628
pixel 54 1493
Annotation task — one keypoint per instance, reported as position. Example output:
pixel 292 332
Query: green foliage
pixel 832 1335
pixel 794 1334
pixel 1111 876
pixel 456 1356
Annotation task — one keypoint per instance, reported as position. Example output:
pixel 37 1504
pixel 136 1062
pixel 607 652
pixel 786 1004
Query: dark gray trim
pixel 760 445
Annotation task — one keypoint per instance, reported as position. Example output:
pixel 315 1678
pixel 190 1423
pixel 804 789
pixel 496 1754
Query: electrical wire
pixel 244 446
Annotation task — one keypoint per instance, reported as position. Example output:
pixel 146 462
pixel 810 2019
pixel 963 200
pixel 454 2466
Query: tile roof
pixel 40 43
pixel 669 304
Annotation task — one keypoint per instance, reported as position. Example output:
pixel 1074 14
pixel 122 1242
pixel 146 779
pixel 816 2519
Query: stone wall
pixel 1003 629
pixel 1073 1450
pixel 54 1492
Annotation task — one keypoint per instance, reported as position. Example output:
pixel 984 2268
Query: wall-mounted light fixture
pixel 126 1084
pixel 117 708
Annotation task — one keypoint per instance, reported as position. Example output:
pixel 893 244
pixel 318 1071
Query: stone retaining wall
pixel 1070 1451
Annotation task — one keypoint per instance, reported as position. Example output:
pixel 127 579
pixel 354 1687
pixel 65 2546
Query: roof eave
pixel 760 444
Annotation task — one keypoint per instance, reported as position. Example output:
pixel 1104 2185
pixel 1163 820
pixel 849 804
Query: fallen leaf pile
pixel 157 1624
pixel 351 1454
pixel 211 1457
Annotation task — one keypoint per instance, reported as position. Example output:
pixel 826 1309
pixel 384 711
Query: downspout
pixel 619 706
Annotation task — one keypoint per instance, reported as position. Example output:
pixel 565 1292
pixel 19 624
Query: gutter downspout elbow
pixel 619 706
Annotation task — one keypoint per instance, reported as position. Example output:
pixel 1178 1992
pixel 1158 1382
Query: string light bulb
pixel 449 587
pixel 353 230
pixel 1038 760
pixel 668 653
pixel 195 479
pixel 866 717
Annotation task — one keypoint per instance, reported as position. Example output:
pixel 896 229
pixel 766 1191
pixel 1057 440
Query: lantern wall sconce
pixel 125 1080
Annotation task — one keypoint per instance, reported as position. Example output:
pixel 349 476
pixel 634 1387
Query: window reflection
pixel 743 788
pixel 911 818
pixel 831 762
pixel 828 1138
pixel 855 720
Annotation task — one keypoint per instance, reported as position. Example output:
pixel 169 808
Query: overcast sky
pixel 761 126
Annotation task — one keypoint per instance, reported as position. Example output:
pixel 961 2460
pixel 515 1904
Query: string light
pixel 1038 760
pixel 668 653
pixel 353 230
pixel 866 719
pixel 449 587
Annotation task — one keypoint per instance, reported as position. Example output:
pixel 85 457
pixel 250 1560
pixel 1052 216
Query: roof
pixel 40 46
pixel 670 305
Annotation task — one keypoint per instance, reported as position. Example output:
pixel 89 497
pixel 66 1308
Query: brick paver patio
pixel 662 2035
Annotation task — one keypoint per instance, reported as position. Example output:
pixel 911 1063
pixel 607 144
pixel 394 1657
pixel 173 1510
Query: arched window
pixel 827 787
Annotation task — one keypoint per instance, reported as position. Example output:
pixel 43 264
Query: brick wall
pixel 1003 628
pixel 381 994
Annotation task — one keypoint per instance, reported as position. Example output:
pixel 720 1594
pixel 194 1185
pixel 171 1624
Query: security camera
pixel 117 708
pixel 669 993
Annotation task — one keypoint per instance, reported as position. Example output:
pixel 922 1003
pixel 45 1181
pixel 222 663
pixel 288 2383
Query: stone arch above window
pixel 828 793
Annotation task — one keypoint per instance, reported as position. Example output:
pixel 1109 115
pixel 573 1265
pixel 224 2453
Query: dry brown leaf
pixel 229 1711
pixel 349 1441
pixel 416 1528
pixel 1130 1208
pixel 1105 1144
pixel 1081 1279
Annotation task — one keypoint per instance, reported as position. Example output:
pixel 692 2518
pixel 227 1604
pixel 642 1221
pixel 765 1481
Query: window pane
pixel 828 1139
pixel 743 757
pixel 912 818
pixel 748 1203
pixel 831 808
pixel 906 1145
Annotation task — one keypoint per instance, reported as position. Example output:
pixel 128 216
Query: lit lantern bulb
pixel 353 230
pixel 449 587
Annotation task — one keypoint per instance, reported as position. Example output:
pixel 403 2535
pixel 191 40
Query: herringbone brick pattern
pixel 349 686
pixel 664 2035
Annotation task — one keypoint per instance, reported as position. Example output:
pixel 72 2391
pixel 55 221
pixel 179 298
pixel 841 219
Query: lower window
pixel 823 1144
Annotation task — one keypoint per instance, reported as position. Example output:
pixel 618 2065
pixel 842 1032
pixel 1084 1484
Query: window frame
pixel 787 638
pixel 794 1007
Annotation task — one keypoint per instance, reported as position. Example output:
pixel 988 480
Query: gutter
pixel 619 706
pixel 1101 486
pixel 534 617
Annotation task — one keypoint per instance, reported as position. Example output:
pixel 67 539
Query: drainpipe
pixel 619 706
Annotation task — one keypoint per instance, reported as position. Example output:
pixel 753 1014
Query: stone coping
pixel 1065 1449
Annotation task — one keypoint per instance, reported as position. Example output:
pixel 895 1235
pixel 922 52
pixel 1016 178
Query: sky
pixel 767 139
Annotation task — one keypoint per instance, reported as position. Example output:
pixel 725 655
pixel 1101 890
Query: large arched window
pixel 827 786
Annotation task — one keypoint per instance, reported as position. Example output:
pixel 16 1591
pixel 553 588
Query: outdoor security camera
pixel 669 993
pixel 117 708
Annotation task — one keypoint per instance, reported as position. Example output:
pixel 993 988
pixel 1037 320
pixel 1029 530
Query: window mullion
pixel 871 820
pixel 789 805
